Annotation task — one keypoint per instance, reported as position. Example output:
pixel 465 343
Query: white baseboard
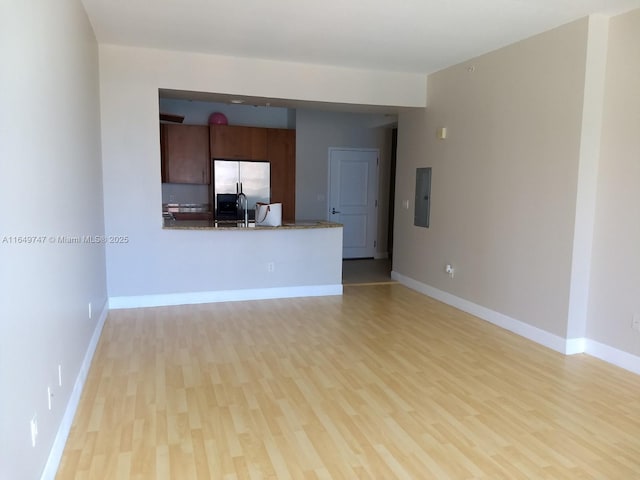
pixel 523 329
pixel 612 355
pixel 575 345
pixel 568 346
pixel 223 296
pixel 55 454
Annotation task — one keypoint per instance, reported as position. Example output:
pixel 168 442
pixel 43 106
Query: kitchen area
pixel 228 176
pixel 165 266
pixel 214 131
pixel 219 173
pixel 203 250
pixel 213 175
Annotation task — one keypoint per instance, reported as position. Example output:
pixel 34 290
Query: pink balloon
pixel 217 118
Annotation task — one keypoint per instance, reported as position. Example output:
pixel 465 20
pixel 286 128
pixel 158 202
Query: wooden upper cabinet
pixel 276 145
pixel 185 153
pixel 238 143
pixel 281 153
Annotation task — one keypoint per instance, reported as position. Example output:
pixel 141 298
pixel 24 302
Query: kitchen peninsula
pixel 203 263
pixel 201 252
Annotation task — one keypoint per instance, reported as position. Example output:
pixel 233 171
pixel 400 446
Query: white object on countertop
pixel 269 214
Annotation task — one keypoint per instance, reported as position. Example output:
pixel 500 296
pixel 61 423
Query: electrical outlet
pixel 449 269
pixel 635 323
pixel 271 267
pixel 34 429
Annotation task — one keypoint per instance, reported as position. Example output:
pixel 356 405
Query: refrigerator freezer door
pixel 227 176
pixel 253 177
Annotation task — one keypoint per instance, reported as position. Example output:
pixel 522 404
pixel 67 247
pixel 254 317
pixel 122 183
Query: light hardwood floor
pixel 381 383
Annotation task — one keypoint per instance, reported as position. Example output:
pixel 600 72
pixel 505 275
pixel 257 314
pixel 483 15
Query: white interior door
pixel 353 191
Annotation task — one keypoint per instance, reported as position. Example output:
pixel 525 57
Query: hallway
pixel 366 271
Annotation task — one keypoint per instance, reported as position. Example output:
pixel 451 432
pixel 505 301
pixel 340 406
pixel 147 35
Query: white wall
pixel 504 181
pixel 615 282
pixel 51 185
pixel 157 261
pixel 316 132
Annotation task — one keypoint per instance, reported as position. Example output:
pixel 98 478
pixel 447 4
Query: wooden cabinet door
pixel 281 153
pixel 185 154
pixel 238 143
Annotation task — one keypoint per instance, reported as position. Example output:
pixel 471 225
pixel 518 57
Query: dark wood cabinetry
pixel 281 153
pixel 276 145
pixel 187 151
pixel 238 143
pixel 185 154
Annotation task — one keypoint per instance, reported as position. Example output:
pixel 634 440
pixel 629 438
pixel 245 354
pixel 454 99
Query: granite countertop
pixel 230 225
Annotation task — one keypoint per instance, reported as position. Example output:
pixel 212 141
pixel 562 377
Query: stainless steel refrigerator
pixel 232 177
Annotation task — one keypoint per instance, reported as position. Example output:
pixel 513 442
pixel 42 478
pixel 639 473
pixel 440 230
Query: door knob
pixel 334 211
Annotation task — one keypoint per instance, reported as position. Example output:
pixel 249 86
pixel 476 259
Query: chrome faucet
pixel 242 204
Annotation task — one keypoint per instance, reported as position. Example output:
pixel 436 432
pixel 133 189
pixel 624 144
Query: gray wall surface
pixel 615 280
pixel 52 179
pixel 504 180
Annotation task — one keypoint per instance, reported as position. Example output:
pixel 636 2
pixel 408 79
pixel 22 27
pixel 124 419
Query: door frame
pixel 376 187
